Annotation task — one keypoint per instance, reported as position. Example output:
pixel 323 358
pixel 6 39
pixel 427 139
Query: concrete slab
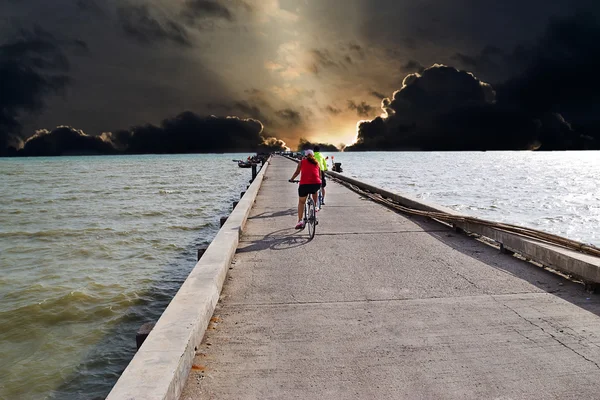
pixel 458 348
pixel 405 309
pixel 334 219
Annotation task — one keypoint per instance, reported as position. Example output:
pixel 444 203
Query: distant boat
pixel 243 164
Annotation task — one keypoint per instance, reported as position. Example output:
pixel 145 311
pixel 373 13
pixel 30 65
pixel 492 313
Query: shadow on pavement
pixel 540 277
pixel 278 240
pixel 282 213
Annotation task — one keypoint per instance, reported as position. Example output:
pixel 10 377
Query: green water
pixel 90 249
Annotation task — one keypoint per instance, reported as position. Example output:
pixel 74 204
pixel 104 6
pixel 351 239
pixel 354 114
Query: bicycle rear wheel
pixel 311 218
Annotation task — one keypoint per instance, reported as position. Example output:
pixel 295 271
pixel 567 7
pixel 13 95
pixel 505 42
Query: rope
pixel 519 230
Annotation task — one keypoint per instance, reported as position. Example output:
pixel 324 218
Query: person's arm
pixel 297 172
pixel 322 162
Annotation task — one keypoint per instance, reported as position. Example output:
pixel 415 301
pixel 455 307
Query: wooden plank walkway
pixel 384 306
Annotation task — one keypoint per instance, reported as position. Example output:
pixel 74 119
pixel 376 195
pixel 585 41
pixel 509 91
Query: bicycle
pixel 310 215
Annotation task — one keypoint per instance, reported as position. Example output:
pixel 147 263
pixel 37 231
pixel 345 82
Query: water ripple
pixel 556 192
pixel 90 249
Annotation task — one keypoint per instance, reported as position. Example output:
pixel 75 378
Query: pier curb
pixel 159 369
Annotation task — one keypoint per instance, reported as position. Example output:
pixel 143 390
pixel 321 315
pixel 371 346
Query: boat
pixel 244 164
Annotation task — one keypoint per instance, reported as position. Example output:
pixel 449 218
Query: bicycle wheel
pixel 311 217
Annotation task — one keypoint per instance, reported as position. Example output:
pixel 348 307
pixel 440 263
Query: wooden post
pixel 253 172
pixel 242 194
pixel 223 220
pixel 591 287
pixel 504 250
pixel 201 251
pixel 143 333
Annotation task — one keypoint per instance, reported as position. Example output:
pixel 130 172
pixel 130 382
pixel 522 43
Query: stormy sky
pixel 434 71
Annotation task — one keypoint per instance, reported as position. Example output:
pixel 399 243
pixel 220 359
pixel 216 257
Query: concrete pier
pixel 384 306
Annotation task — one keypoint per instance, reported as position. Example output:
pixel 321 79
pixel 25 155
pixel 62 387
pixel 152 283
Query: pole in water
pixel 143 333
pixel 253 172
pixel 223 220
pixel 201 251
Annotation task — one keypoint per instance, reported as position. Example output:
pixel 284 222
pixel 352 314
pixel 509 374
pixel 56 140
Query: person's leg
pixel 323 184
pixel 301 202
pixel 315 197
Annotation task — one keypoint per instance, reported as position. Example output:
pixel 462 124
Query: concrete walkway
pixel 384 306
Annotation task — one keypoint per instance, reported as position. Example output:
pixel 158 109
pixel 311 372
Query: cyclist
pixel 310 182
pixel 323 167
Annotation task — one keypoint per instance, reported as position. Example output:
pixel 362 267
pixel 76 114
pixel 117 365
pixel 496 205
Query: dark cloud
pixel 429 27
pixel 486 57
pixel 147 25
pixel 413 66
pixel 186 133
pixel 305 144
pixel 322 59
pixel 549 97
pixel 355 47
pixel 206 8
pixel 313 68
pixel 415 113
pixel 465 60
pixel 442 109
pixel 245 108
pixel 332 110
pixel 252 111
pixel 254 92
pixel 114 80
pixel 378 95
pixel 558 76
pixel 410 43
pixel 292 117
pixel 32 67
pixel 203 14
pixel 80 46
pixel 362 109
pixel 493 61
pixel 245 5
pixel 63 141
pixel 560 73
pixel 280 121
pixel 271 144
pixel 191 133
pixel 90 6
pixel 357 50
pixel 448 109
pixel 454 33
pixel 341 57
